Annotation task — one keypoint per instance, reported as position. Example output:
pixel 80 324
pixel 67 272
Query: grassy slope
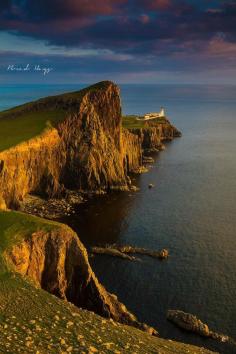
pixel 130 122
pixel 16 226
pixel 18 129
pixel 31 119
pixel 33 321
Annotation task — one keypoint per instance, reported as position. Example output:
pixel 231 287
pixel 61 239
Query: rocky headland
pixel 87 151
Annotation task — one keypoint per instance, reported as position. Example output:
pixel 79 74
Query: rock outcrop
pixel 89 150
pixel 58 262
pixel 125 252
pixel 191 323
pixel 153 135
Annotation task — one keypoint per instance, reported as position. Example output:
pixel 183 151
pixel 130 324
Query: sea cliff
pixel 54 258
pixel 87 150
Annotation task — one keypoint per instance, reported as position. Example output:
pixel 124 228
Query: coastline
pixel 151 138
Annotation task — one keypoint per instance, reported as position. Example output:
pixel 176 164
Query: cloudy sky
pixel 132 41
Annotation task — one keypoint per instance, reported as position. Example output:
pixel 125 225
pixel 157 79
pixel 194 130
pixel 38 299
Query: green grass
pixel 16 226
pixel 18 129
pixel 33 321
pixel 131 122
pixel 24 122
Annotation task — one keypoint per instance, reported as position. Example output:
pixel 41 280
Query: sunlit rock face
pixel 57 261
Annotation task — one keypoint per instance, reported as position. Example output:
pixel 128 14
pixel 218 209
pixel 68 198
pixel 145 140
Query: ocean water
pixel 191 211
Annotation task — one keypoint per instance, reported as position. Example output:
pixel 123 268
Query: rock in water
pixel 188 322
pixel 164 254
pixel 124 251
pixel 191 323
pixel 112 252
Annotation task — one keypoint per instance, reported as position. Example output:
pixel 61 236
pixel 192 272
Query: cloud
pixel 60 9
pixel 5 4
pixel 110 23
pixel 144 19
pixel 124 36
pixel 155 4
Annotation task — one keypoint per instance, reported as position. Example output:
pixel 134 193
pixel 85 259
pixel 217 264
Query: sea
pixel 191 211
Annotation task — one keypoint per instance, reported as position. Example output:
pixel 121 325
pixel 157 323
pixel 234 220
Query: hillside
pixel 34 321
pixel 53 257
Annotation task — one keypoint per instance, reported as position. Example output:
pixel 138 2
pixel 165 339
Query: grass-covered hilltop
pixel 50 299
pixel 138 122
pixel 24 122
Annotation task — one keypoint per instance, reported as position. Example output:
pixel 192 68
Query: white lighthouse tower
pixel 162 113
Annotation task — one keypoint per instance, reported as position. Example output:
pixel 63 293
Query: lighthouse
pixel 162 113
pixel 155 115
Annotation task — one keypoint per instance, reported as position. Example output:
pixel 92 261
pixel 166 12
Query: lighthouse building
pixel 154 115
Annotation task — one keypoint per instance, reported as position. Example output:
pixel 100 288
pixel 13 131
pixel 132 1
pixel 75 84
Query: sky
pixel 127 41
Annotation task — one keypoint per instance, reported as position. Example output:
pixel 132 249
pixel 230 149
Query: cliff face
pixel 153 135
pixel 58 262
pixel 31 166
pixel 132 151
pixel 86 151
pixel 92 139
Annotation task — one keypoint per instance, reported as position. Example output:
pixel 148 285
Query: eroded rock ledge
pixel 129 252
pixel 58 262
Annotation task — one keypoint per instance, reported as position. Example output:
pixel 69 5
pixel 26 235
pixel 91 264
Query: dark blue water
pixel 191 211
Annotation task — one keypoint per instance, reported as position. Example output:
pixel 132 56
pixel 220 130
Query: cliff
pixel 153 134
pixel 52 256
pixel 87 149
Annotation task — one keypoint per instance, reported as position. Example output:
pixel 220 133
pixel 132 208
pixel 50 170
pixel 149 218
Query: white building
pixel 154 115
